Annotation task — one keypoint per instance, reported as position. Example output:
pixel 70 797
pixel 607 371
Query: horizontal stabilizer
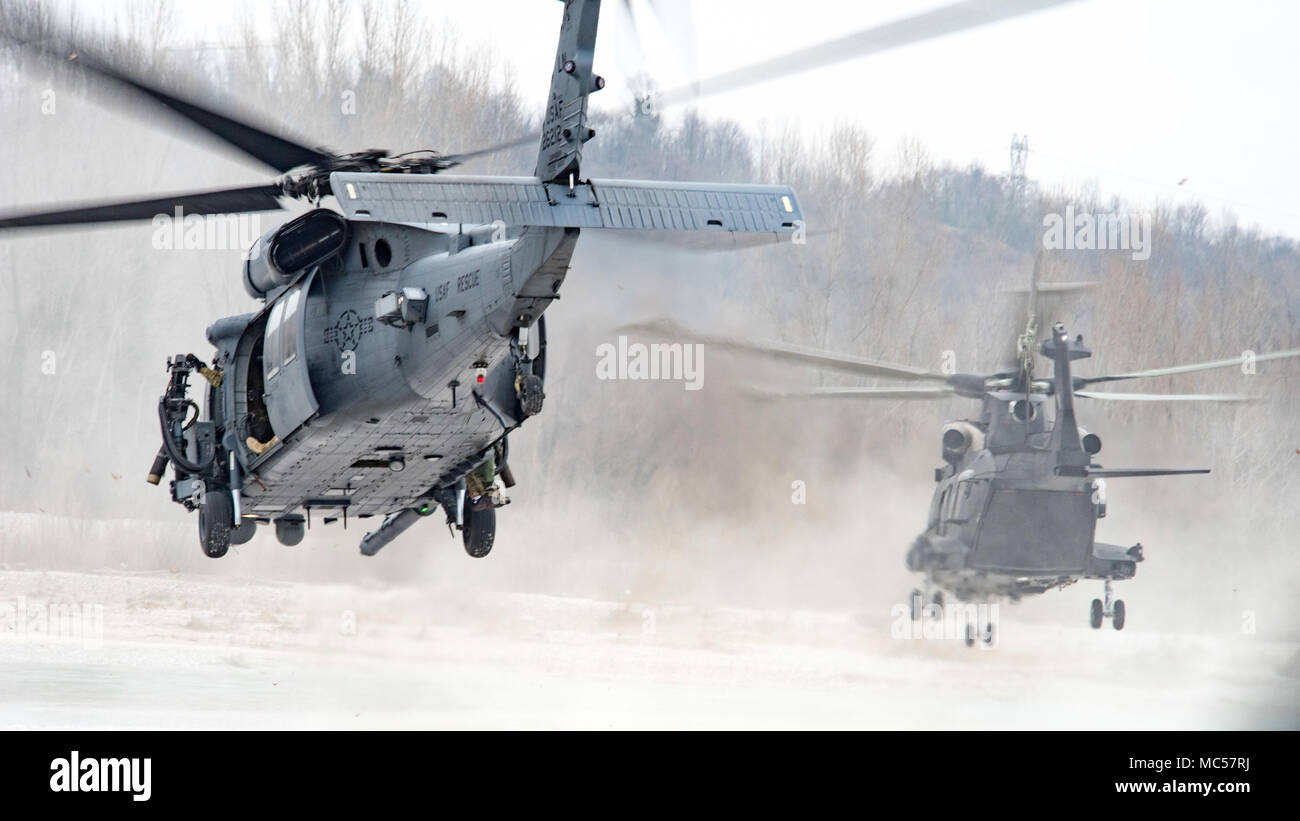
pixel 527 201
pixel 1116 553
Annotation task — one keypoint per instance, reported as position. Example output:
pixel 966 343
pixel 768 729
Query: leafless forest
pixel 623 484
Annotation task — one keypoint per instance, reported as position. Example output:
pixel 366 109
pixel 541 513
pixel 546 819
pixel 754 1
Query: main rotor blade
pixel 915 29
pixel 1119 473
pixel 1177 369
pixel 506 146
pixel 278 152
pixel 222 201
pixel 784 352
pixel 1168 397
pixel 922 392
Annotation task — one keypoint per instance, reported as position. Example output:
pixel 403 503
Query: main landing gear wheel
pixel 988 635
pixel 216 515
pixel 531 394
pixel 478 529
pixel 916 600
pixel 1097 613
pixel 1117 615
pixel 970 635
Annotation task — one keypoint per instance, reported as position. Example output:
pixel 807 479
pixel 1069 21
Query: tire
pixel 289 532
pixel 970 635
pixel 988 635
pixel 1117 618
pixel 215 518
pixel 916 601
pixel 1097 613
pixel 244 532
pixel 478 529
pixel 531 395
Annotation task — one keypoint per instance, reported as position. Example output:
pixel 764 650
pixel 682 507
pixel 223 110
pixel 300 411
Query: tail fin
pixel 564 129
pixel 1071 460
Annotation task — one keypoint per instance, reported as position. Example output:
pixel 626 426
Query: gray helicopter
pixel 1018 497
pixel 401 337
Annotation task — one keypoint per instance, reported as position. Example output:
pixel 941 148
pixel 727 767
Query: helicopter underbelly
pixel 351 455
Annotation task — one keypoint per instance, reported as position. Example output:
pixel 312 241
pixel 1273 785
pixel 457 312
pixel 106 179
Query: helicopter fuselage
pixel 1003 521
pixel 384 371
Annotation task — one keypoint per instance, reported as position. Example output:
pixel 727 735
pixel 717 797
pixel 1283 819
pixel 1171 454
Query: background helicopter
pixel 1017 500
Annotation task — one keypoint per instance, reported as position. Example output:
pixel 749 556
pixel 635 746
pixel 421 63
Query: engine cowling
pixel 302 243
pixel 958 438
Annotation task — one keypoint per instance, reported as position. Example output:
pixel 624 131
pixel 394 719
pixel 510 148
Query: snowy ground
pixel 176 651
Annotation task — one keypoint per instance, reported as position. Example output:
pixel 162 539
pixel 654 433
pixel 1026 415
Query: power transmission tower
pixel 1019 159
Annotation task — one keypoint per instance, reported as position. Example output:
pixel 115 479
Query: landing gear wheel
pixel 1117 615
pixel 531 394
pixel 916 600
pixel 937 601
pixel 289 532
pixel 479 529
pixel 988 635
pixel 970 635
pixel 215 517
pixel 1097 614
pixel 244 532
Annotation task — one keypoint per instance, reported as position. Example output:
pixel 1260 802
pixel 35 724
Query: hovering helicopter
pixel 1018 497
pixel 401 337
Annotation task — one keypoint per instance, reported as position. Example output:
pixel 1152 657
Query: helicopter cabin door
pixel 290 400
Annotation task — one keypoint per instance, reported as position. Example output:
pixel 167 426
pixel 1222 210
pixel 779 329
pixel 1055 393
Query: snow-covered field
pixel 179 650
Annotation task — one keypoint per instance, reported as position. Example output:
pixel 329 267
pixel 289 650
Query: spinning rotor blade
pixel 278 152
pixel 923 392
pixel 1177 369
pixel 783 352
pixel 222 201
pixel 457 159
pixel 915 29
pixel 1169 397
pixel 1119 473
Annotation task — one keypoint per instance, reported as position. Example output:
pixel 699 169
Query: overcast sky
pixel 1134 96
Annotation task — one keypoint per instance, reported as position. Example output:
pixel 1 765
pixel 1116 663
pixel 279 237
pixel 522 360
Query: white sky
pixel 1130 95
